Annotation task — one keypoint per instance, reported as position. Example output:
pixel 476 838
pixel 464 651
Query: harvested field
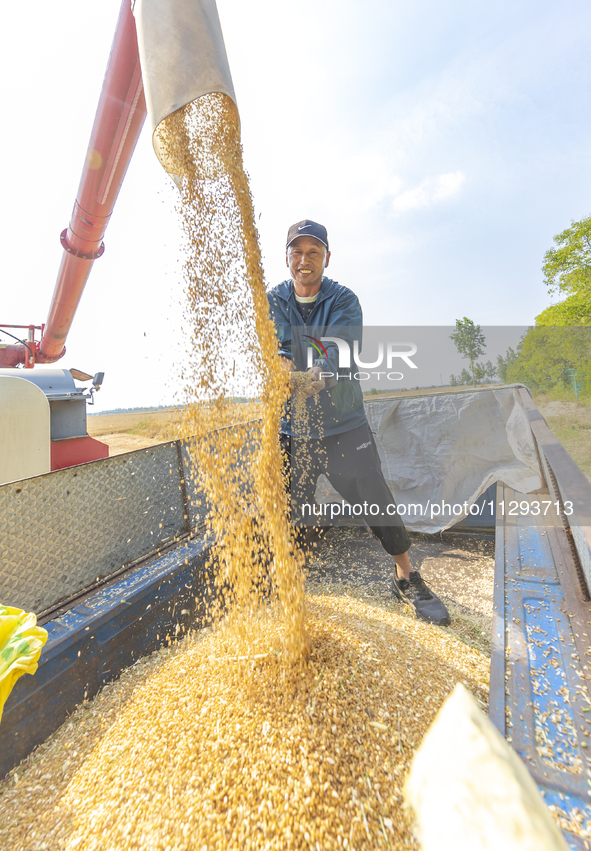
pixel 126 432
pixel 119 443
pixel 137 430
pixel 144 423
pixel 571 423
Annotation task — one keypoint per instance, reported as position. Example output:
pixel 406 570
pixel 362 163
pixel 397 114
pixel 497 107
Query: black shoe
pixel 426 604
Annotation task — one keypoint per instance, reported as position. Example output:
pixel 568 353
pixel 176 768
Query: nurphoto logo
pixel 402 350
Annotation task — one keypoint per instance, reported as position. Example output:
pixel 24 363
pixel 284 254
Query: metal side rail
pixel 113 555
pixel 540 666
pixel 91 644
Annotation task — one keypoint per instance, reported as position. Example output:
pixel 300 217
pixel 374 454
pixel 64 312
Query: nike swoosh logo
pixel 304 226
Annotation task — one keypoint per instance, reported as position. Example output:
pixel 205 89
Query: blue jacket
pixel 336 313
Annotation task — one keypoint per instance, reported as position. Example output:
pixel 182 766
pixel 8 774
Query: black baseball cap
pixel 307 228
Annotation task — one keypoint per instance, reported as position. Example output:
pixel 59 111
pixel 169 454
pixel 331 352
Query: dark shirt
pixel 335 313
pixel 305 308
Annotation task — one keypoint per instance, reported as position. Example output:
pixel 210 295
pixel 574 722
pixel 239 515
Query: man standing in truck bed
pixel 336 439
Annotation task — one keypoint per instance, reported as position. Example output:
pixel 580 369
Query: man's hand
pixel 318 382
pixel 314 383
pixel 309 383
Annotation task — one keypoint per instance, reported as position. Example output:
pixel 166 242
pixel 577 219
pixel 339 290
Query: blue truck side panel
pixel 92 643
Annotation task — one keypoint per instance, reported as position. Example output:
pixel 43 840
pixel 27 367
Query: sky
pixel 443 145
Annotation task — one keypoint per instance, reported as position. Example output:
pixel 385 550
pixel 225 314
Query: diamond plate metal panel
pixel 197 502
pixel 62 531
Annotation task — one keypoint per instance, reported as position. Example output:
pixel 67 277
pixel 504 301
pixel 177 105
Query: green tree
pixel 567 271
pixel 503 363
pixel 574 310
pixel 469 341
pixel 567 268
pixel 546 353
pixel 559 346
pixel 484 371
pixel 454 381
pixel 479 371
pixel 465 377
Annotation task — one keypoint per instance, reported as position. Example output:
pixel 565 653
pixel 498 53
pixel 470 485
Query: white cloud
pixel 448 184
pixel 429 192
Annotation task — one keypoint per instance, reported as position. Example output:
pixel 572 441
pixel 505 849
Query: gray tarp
pixel 447 449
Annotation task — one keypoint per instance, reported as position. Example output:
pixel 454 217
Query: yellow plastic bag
pixel 21 642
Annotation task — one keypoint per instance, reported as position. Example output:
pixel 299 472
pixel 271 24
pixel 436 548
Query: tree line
pixel 555 354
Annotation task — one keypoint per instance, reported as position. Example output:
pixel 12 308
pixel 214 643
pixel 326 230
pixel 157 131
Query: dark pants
pixel 352 465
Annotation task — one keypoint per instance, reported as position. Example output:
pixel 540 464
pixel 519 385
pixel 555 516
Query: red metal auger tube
pixel 183 58
pixel 119 118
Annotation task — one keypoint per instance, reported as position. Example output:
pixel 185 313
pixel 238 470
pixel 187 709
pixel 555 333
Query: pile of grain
pixel 203 749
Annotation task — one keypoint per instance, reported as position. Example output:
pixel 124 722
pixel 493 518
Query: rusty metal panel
pixel 62 531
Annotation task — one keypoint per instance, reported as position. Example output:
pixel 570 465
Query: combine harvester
pixel 111 554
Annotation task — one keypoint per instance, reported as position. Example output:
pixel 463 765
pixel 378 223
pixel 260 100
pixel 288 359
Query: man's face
pixel 307 259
